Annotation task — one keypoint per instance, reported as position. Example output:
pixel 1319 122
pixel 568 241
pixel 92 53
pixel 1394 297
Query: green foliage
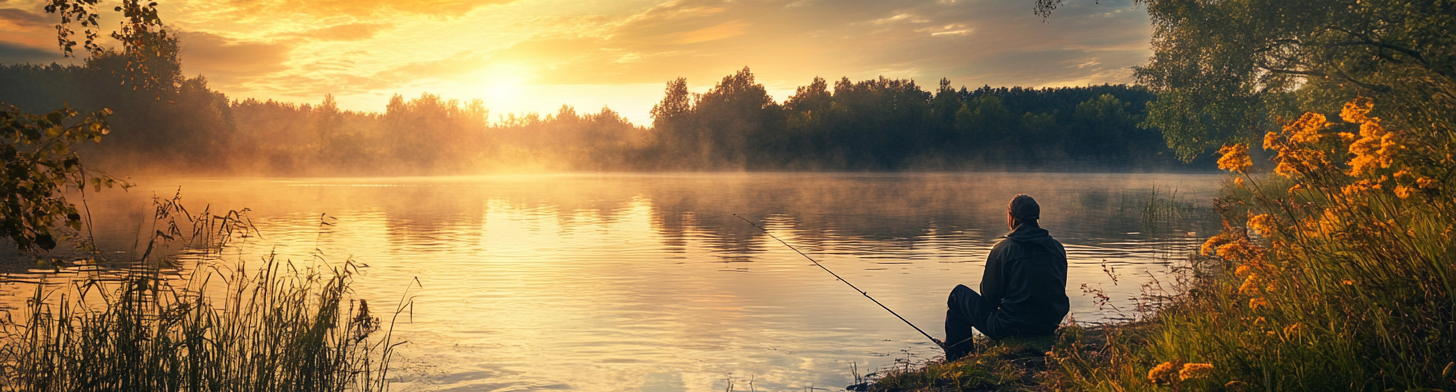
pixel 40 162
pixel 1226 71
pixel 889 124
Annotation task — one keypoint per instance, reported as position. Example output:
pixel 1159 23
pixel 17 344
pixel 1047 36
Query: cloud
pixel 724 30
pixel 899 18
pixel 974 42
pixel 343 32
pixel 226 60
pixel 360 8
pixel 457 65
pixel 373 48
pixel 24 19
pixel 11 53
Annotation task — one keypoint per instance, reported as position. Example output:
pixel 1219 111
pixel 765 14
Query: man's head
pixel 1022 209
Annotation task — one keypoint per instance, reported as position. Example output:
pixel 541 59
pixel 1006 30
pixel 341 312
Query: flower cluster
pixel 1166 372
pixel 1235 157
pixel 1307 152
pixel 1264 224
pixel 1175 371
pixel 1194 371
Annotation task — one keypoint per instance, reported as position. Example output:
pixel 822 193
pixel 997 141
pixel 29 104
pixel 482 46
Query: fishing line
pixel 836 276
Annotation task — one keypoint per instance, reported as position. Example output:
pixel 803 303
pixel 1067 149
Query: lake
pixel 611 282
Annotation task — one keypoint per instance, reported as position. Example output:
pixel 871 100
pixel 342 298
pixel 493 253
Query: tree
pixel 676 102
pixel 38 151
pixel 39 164
pixel 1099 129
pixel 984 121
pixel 1225 71
pixel 327 121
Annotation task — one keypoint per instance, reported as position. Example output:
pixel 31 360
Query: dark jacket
pixel 1026 280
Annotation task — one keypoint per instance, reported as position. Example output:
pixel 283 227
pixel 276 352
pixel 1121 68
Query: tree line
pixel 893 124
pixel 172 123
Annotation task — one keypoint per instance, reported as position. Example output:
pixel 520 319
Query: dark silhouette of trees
pixel 892 124
pixel 733 125
pixel 876 124
pixel 38 153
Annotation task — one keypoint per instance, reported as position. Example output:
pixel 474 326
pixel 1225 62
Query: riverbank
pixel 1334 272
pixel 996 366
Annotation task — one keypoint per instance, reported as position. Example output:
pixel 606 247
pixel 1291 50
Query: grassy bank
pixel 1334 272
pixel 278 326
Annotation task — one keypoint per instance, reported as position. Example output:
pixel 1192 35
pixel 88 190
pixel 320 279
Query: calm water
pixel 648 282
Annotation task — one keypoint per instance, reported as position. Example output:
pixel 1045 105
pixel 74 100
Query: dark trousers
pixel 967 310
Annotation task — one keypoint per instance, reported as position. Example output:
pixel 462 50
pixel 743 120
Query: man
pixel 1024 289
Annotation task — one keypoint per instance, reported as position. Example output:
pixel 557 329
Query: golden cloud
pixel 727 29
pixel 344 32
pixel 25 19
pixel 221 58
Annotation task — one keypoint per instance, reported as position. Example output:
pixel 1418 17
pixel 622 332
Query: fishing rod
pixel 836 276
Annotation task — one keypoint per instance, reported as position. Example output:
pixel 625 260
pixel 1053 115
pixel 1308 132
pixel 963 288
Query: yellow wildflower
pixel 1286 162
pixel 1251 285
pixel 1355 111
pixel 1376 147
pixel 1239 182
pixel 1240 250
pixel 1255 303
pixel 1194 371
pixel 1307 128
pixel 1210 246
pixel 1361 186
pixel 1426 183
pixel 1348 282
pixel 1271 140
pixel 1235 158
pixel 1402 191
pixel 1264 224
pixel 1164 372
pixel 1243 269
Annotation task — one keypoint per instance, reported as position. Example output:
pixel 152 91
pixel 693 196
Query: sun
pixel 504 83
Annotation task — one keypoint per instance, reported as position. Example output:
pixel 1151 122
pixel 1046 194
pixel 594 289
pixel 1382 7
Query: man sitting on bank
pixel 1023 291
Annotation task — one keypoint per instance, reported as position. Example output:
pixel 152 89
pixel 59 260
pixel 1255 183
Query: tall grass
pixel 1333 273
pixel 1158 210
pixel 279 327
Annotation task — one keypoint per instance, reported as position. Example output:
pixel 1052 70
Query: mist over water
pixel 648 282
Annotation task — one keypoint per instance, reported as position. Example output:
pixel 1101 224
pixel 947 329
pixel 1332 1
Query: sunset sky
pixel 535 55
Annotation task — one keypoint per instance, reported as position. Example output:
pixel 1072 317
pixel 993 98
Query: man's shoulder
pixel 1009 247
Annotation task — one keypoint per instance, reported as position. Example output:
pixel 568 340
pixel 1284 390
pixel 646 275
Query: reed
pixel 278 327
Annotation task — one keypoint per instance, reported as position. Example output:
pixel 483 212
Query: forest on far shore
pixel 181 124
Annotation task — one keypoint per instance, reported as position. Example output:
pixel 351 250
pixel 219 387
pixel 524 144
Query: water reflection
pixel 648 281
